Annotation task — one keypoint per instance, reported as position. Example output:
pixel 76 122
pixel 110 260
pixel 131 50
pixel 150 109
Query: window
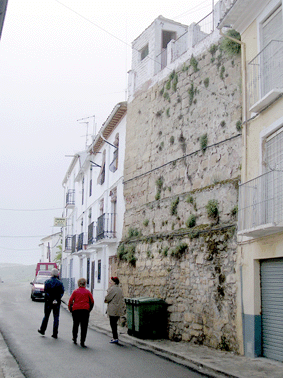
pixel 272 33
pixel 101 176
pixel 114 164
pixel 144 52
pixel 99 271
pixel 167 36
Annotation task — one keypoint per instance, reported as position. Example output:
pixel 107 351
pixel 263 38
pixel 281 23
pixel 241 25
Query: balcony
pixel 265 76
pixel 106 226
pixel 261 205
pixel 91 233
pixel 81 241
pixel 68 243
pixel 70 199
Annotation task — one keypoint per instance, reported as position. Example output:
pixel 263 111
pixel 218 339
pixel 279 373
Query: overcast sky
pixel 60 61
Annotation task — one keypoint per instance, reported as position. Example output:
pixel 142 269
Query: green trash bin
pixel 147 317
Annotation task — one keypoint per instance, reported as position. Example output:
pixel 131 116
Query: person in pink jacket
pixel 80 304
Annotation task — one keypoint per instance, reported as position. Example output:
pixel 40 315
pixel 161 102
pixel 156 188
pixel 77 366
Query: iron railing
pixel 203 28
pixel 81 241
pixel 106 226
pixel 70 197
pixel 68 243
pixel 265 72
pixel 261 201
pixel 91 233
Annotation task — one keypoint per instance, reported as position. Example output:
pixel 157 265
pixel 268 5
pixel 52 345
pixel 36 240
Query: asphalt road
pixel 44 357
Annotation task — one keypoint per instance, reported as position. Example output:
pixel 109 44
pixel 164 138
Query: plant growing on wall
pixel 191 92
pixel 229 46
pixel 194 63
pixel 190 199
pixel 166 96
pixel 133 232
pixel 146 222
pixel 222 72
pixel 212 209
pixel 234 211
pixel 179 250
pixel 206 82
pixel 203 142
pixel 213 49
pixel 159 184
pixel 191 221
pixel 239 126
pixel 171 140
pixel 174 206
pixel 127 253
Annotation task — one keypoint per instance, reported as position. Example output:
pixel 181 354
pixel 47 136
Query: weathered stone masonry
pixel 182 167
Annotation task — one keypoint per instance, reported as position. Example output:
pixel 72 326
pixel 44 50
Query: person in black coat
pixel 54 291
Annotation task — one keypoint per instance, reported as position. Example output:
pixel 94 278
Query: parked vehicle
pixel 46 273
pixel 37 287
pixel 47 266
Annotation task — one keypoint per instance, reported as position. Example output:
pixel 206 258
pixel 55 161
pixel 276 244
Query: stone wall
pixel 182 167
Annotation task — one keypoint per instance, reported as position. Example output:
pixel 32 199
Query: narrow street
pixel 42 356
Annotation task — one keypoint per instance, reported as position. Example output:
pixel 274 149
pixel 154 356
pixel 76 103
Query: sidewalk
pixel 211 362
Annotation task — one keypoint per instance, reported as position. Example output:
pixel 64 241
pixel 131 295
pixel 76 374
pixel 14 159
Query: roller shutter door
pixel 272 308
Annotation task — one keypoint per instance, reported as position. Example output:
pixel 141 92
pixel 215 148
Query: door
pixel 272 308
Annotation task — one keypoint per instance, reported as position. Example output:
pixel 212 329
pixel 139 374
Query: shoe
pixel 41 332
pixel 75 341
pixel 54 336
pixel 83 345
pixel 114 341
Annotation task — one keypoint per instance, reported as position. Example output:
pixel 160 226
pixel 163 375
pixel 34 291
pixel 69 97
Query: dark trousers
pixel 80 317
pixel 48 307
pixel 114 326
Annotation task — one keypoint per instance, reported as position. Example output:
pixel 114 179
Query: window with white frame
pixel 265 71
pixel 272 51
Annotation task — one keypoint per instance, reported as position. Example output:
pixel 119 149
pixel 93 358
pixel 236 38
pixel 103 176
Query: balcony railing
pixel 265 76
pixel 106 226
pixel 261 205
pixel 198 32
pixel 91 233
pixel 70 198
pixel 81 241
pixel 68 243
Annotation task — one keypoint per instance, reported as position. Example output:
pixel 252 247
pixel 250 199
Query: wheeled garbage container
pixel 147 317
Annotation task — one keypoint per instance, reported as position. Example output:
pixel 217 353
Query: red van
pixel 48 266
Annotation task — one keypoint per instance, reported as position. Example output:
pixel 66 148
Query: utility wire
pixel 55 208
pixel 23 236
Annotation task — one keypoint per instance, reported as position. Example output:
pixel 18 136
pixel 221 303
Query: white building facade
pixel 50 246
pixel 94 208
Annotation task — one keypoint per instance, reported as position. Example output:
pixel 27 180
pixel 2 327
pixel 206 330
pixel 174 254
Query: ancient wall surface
pixel 182 168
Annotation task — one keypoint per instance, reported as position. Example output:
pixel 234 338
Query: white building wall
pixel 75 265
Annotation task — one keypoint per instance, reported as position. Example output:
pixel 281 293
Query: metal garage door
pixel 272 308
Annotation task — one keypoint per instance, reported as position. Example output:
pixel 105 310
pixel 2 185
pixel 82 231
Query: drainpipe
pixel 245 106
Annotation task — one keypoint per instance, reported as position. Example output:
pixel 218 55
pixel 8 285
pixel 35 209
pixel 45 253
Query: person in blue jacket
pixel 54 291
